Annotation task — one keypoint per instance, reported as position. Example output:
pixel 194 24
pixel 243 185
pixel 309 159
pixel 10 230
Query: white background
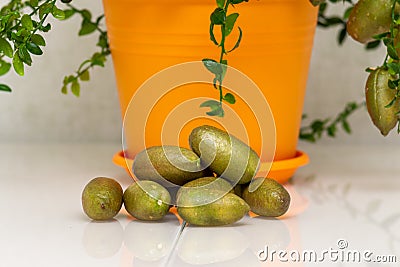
pixel 37 111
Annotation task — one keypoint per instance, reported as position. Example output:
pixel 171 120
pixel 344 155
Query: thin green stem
pixel 43 19
pixel 223 50
pixel 80 11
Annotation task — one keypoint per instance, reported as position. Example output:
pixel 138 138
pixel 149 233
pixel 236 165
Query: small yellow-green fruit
pixel 102 198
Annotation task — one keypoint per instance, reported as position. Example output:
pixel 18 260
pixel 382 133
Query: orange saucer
pixel 281 170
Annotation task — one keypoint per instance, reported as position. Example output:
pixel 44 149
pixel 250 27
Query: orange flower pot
pixel 149 36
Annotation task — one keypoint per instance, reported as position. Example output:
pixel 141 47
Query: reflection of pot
pixel 275 53
pixel 102 239
pixel 211 245
pixel 150 241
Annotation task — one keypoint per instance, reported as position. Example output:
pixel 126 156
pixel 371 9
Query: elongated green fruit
pixel 225 154
pixel 225 210
pixel 168 165
pixel 369 18
pixel 378 96
pixel 270 198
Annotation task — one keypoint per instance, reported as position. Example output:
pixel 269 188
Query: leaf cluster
pixel 315 130
pixel 89 25
pixel 22 25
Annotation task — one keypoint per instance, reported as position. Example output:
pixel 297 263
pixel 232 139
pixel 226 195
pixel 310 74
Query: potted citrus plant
pixel 274 52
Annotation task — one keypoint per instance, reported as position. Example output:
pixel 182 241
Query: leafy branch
pixel 315 130
pixel 219 17
pixel 20 33
pixel 22 24
pixel 88 26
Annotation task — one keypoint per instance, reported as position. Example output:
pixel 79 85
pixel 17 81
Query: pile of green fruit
pixel 174 176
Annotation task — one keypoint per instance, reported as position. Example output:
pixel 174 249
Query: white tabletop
pixel 345 200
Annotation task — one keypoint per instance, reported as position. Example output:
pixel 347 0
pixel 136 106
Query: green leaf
pixel 45 9
pixel 24 55
pixel 22 32
pixel 391 103
pixel 34 3
pixel 381 36
pixel 38 40
pixel 76 88
pixel 393 84
pixel 342 36
pixel 238 41
pixel 213 66
pixel 215 106
pixel 373 44
pixel 230 98
pixel 221 3
pixel 86 14
pixel 346 126
pixel 238 1
pixel 68 13
pixel 219 112
pixel 334 21
pixel 218 17
pixel 46 28
pixel 5 88
pixel 18 64
pixel 392 52
pixel 346 14
pixel 58 13
pixel 307 137
pixel 34 49
pixel 4 67
pixel 64 90
pixel 85 76
pixel 26 22
pixel 68 79
pixel 6 48
pixel 230 23
pixel 316 2
pixel 98 59
pixel 332 130
pixel 87 27
pixel 103 41
pixel 212 36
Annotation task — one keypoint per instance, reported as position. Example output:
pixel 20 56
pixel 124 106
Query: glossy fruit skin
pixel 378 95
pixel 224 154
pixel 369 18
pixel 205 184
pixel 147 200
pixel 270 199
pixel 168 165
pixel 226 209
pixel 102 198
